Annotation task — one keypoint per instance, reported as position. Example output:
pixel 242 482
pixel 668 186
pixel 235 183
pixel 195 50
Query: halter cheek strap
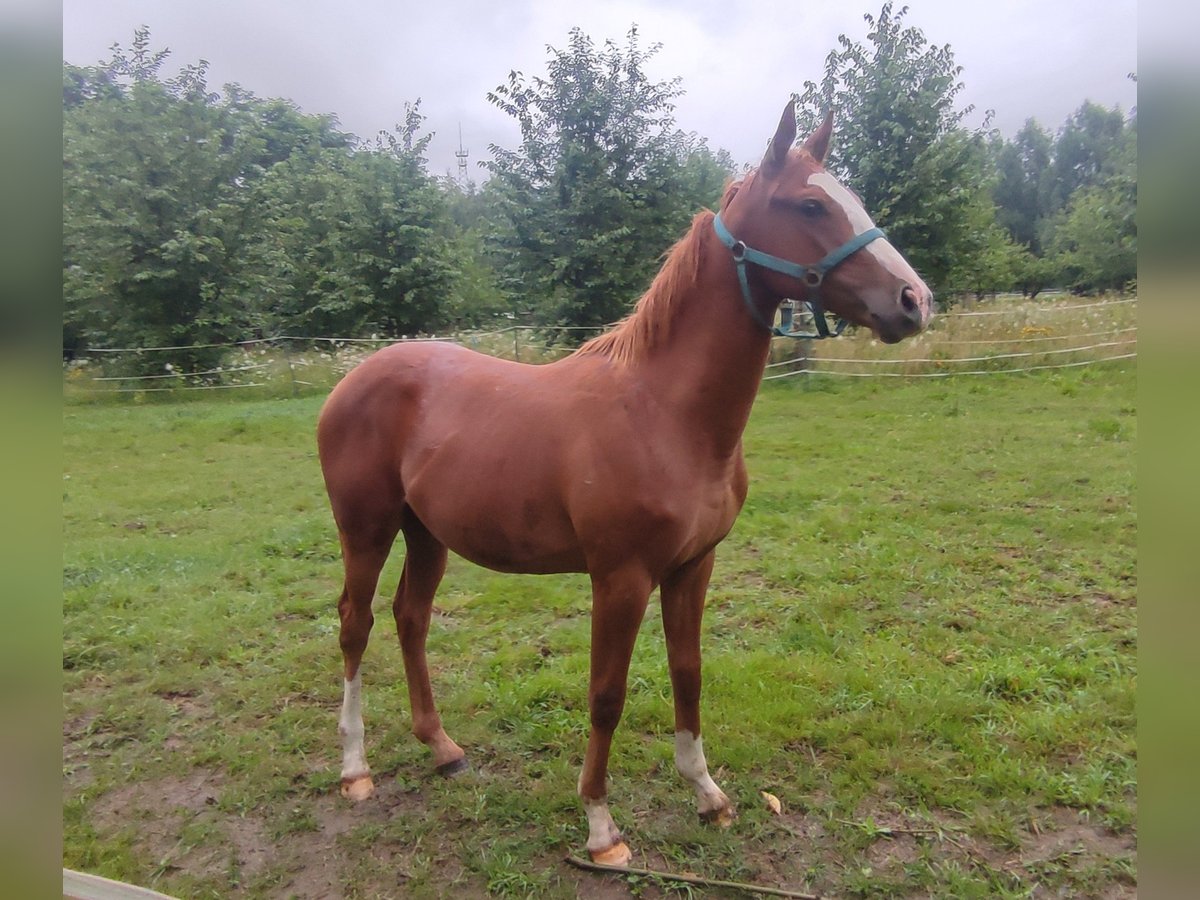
pixel 811 276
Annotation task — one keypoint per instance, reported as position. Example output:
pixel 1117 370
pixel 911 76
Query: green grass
pixel 921 636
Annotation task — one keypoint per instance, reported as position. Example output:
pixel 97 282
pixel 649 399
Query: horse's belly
pixel 501 526
pixel 523 560
pixel 486 542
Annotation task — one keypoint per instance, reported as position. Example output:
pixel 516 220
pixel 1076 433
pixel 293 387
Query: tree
pixel 158 204
pixel 193 218
pixel 1088 145
pixel 1023 188
pixel 361 240
pixel 704 173
pixel 1071 200
pixel 899 142
pixel 990 260
pixel 600 185
pixel 1033 274
pixel 1092 239
pixel 1093 242
pixel 477 298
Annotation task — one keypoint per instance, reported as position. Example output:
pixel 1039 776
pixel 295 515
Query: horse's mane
pixel 650 321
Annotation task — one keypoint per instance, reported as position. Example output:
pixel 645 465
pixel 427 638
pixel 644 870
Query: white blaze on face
pixel 860 220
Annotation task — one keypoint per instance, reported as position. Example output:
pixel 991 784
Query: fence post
pixel 291 364
pixel 805 358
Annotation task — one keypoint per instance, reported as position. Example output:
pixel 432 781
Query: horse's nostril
pixel 908 300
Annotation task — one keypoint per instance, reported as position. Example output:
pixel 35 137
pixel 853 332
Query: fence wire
pixel 953 360
pixel 950 374
pixel 1029 344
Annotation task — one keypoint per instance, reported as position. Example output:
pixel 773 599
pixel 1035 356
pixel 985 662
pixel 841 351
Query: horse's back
pixel 383 394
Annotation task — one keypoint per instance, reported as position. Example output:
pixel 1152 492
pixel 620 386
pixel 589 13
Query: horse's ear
pixel 785 136
pixel 817 144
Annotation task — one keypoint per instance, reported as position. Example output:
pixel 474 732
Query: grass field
pixel 921 636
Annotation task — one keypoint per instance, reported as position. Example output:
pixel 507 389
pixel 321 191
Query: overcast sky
pixel 738 59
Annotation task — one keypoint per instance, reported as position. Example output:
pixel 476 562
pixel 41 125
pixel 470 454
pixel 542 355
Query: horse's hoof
pixel 454 767
pixel 722 816
pixel 616 855
pixel 359 788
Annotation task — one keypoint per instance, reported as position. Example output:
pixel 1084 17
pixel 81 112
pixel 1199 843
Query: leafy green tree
pixel 1092 239
pixel 704 173
pixel 402 234
pixel 477 299
pixel 989 260
pixel 600 185
pixel 162 202
pixel 1071 200
pixel 1023 187
pixel 899 141
pixel 1094 242
pixel 1089 145
pixel 192 217
pixel 303 249
pixel 361 240
pixel 158 204
pixel 1032 274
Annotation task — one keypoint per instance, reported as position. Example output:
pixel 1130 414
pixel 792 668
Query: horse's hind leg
pixel 424 566
pixel 363 559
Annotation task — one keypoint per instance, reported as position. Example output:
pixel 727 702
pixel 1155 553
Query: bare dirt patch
pixel 1064 855
pixel 77 769
pixel 313 862
pixel 158 814
pixel 1073 845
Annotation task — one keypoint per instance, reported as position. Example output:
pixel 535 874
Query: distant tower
pixel 462 158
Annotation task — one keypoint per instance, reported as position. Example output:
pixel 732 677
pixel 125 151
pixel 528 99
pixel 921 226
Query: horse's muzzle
pixel 912 313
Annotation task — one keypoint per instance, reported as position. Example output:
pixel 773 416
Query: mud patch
pixel 1070 850
pixel 173 824
pixel 76 761
pixel 189 793
pixel 1065 854
pixel 322 860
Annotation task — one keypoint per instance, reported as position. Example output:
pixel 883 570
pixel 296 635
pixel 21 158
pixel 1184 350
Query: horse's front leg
pixel 682 609
pixel 618 604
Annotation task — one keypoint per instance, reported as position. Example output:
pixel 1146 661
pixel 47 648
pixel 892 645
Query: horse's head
pixel 805 236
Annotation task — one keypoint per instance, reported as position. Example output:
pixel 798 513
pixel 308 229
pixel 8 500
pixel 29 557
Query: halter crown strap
pixel 810 275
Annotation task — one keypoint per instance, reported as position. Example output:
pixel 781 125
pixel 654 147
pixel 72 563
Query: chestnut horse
pixel 622 460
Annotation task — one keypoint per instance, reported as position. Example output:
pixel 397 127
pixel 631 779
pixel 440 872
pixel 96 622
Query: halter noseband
pixel 811 276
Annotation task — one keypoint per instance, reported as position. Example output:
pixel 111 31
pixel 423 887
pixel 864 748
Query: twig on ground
pixel 890 830
pixel 689 879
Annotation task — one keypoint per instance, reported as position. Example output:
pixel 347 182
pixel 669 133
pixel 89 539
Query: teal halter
pixel 811 276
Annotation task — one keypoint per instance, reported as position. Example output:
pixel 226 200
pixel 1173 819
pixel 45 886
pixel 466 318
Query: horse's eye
pixel 812 208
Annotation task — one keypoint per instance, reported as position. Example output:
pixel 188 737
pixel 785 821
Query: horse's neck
pixel 710 368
